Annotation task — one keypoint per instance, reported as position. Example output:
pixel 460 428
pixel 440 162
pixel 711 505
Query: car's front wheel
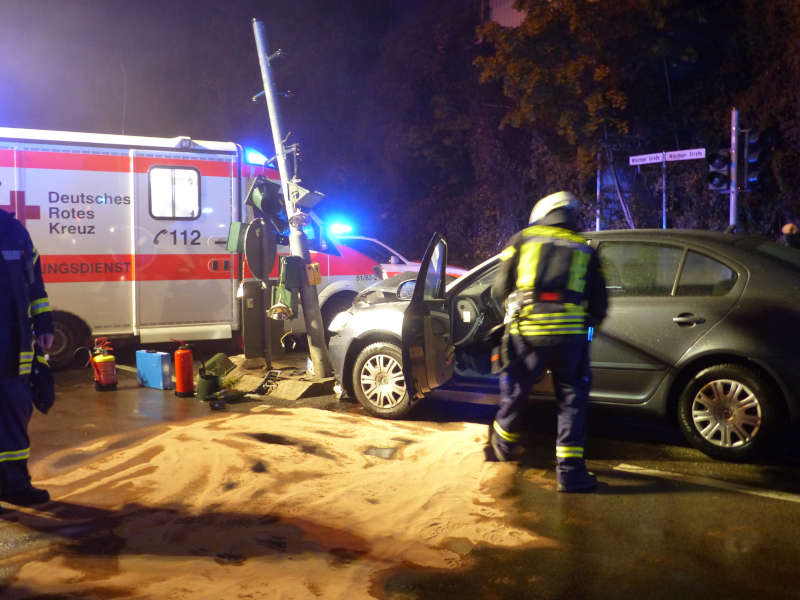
pixel 729 412
pixel 378 381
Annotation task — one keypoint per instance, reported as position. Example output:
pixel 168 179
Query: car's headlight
pixel 340 321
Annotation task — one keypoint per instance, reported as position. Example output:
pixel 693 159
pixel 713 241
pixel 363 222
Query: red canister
pixel 184 370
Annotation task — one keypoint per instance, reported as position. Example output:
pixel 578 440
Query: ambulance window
pixel 174 193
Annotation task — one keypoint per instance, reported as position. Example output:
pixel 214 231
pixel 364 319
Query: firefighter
pixel 553 287
pixel 25 318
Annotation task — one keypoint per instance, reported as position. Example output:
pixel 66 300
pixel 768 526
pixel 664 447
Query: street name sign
pixel 657 157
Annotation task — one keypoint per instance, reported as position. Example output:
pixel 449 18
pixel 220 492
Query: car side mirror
pixel 406 289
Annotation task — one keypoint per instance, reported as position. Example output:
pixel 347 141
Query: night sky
pixel 179 67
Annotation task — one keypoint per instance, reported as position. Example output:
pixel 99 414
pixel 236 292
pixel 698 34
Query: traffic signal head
pixel 719 171
pixel 755 158
pixel 266 199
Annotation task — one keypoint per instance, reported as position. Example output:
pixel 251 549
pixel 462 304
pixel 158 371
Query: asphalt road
pixel 667 521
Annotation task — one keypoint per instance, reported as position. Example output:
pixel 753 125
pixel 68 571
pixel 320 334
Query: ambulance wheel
pixel 70 334
pixel 335 305
pixel 378 381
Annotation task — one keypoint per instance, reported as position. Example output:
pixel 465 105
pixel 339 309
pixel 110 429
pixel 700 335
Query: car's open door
pixel 428 349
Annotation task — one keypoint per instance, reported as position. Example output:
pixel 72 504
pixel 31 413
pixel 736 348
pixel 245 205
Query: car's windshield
pixel 469 278
pixel 374 250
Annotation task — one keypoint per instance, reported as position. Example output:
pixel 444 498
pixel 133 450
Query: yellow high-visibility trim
pixel 557 232
pixel 534 332
pixel 508 253
pixel 39 306
pixel 506 435
pixel 551 319
pixel 23 454
pixel 569 451
pixel 577 271
pixel 528 264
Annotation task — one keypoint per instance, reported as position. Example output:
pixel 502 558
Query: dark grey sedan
pixel 702 327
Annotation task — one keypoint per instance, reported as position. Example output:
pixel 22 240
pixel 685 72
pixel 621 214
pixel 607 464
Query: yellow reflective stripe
pixel 528 264
pixel 571 321
pixel 553 319
pixel 534 332
pixel 569 451
pixel 508 253
pixel 15 455
pixel 509 437
pixel 570 308
pixel 557 232
pixel 39 306
pixel 542 330
pixel 553 329
pixel 25 362
pixel 577 271
pixel 42 359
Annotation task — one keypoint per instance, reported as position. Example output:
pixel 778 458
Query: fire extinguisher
pixel 104 365
pixel 184 370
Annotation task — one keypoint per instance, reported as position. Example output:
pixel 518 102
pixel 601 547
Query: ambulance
pixel 132 233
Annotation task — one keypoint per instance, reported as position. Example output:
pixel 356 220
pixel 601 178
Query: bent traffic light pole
pixel 298 244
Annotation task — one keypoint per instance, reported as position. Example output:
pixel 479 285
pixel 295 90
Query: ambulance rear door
pixel 185 281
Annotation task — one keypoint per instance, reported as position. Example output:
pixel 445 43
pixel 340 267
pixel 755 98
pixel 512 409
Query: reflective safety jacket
pixel 556 282
pixel 30 312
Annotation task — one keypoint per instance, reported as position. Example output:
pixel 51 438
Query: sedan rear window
pixel 704 276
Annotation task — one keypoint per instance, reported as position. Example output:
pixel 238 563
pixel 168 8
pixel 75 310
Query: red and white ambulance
pixel 132 234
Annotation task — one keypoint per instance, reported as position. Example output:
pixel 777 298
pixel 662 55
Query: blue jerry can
pixel 154 369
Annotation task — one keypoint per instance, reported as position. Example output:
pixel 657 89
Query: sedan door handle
pixel 685 319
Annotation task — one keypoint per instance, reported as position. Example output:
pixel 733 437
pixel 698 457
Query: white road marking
pixel 127 368
pixel 708 482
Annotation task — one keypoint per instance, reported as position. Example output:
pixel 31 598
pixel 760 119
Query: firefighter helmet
pixel 553 202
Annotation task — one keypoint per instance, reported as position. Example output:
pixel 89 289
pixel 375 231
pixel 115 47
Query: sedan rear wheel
pixel 378 381
pixel 729 412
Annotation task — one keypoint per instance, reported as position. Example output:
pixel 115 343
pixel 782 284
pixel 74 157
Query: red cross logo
pixel 18 207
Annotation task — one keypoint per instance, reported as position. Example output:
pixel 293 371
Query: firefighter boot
pixel 500 450
pixel 574 478
pixel 15 482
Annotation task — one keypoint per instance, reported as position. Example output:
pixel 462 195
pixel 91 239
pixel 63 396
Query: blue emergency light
pixel 339 229
pixel 254 157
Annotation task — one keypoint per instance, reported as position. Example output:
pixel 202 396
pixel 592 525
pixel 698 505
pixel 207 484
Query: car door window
pixel 434 281
pixel 638 268
pixel 704 276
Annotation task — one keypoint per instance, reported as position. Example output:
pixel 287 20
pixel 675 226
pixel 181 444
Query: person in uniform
pixel 553 287
pixel 25 320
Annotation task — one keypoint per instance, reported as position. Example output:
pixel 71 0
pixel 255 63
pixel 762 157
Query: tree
pixel 578 71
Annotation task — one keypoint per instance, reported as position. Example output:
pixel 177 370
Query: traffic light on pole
pixel 719 171
pixel 755 157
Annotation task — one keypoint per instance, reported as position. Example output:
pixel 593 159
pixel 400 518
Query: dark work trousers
pixel 16 407
pixel 569 363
